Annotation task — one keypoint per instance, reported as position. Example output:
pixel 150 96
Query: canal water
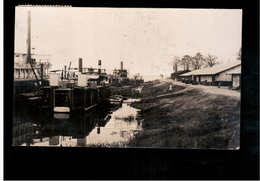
pixel 103 126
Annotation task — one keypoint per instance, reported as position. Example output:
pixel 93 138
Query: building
pixel 216 75
pixel 176 75
pixel 23 70
pixel 236 77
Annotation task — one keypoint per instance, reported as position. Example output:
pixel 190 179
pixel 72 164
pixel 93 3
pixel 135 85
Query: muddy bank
pixel 185 117
pixel 124 90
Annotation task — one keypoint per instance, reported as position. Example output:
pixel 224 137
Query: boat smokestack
pixel 80 65
pixel 121 65
pixel 29 37
pixel 99 68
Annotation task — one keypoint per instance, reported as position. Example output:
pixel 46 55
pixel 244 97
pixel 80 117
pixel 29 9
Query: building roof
pixel 180 72
pixel 236 70
pixel 213 70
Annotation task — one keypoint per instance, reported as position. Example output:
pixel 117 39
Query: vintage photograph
pixel 127 77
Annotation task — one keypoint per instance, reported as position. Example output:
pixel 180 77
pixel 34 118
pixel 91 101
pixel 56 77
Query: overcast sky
pixel 145 39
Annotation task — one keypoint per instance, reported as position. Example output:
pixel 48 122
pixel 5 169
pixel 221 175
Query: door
pixel 235 80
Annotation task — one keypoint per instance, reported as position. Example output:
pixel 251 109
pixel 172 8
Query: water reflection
pixel 102 126
pixel 121 127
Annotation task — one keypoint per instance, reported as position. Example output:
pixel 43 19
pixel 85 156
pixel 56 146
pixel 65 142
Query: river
pixel 104 126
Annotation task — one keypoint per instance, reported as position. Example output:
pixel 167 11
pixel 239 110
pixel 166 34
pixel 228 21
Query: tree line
pixel 197 62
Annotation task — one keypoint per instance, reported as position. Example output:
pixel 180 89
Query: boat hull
pixel 116 102
pixel 61 112
pixel 61 115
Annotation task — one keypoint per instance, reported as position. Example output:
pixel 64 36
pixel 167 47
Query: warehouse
pixel 220 75
pixel 236 77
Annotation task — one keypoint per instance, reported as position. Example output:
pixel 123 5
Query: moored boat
pixel 115 99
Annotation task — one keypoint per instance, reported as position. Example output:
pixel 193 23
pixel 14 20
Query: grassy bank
pixel 185 118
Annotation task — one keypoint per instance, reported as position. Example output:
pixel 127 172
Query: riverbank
pixel 187 116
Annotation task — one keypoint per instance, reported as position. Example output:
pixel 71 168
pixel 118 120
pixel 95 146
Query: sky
pixel 145 39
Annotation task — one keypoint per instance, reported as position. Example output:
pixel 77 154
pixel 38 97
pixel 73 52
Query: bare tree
pixel 211 60
pixel 239 55
pixel 197 61
pixel 161 75
pixel 175 63
pixel 185 61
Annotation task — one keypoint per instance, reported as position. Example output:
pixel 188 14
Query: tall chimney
pixel 80 65
pixel 29 37
pixel 99 68
pixel 121 65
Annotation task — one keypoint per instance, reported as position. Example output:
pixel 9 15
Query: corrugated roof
pixel 213 70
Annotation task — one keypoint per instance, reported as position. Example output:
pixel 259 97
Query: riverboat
pixel 115 99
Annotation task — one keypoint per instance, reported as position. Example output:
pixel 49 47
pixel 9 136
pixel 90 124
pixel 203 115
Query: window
pixel 16 55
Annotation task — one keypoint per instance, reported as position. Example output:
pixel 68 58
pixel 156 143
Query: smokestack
pixel 99 69
pixel 80 65
pixel 65 72
pixel 41 73
pixel 29 37
pixel 121 65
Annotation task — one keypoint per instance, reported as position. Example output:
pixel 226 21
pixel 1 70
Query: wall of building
pixel 223 76
pixel 206 77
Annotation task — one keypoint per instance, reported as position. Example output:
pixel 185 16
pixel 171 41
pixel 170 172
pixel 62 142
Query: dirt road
pixel 209 89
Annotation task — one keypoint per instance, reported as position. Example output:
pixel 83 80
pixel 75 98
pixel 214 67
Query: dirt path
pixel 208 89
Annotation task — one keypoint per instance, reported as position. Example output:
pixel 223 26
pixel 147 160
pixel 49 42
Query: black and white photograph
pixel 127 77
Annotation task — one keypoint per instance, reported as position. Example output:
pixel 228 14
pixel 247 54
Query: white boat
pixel 115 99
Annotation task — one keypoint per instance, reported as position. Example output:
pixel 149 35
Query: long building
pixel 216 75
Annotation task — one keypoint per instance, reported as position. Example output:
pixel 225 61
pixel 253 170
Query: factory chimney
pixel 80 65
pixel 29 37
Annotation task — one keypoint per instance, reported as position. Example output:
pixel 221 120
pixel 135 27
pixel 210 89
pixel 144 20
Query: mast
pixel 29 47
